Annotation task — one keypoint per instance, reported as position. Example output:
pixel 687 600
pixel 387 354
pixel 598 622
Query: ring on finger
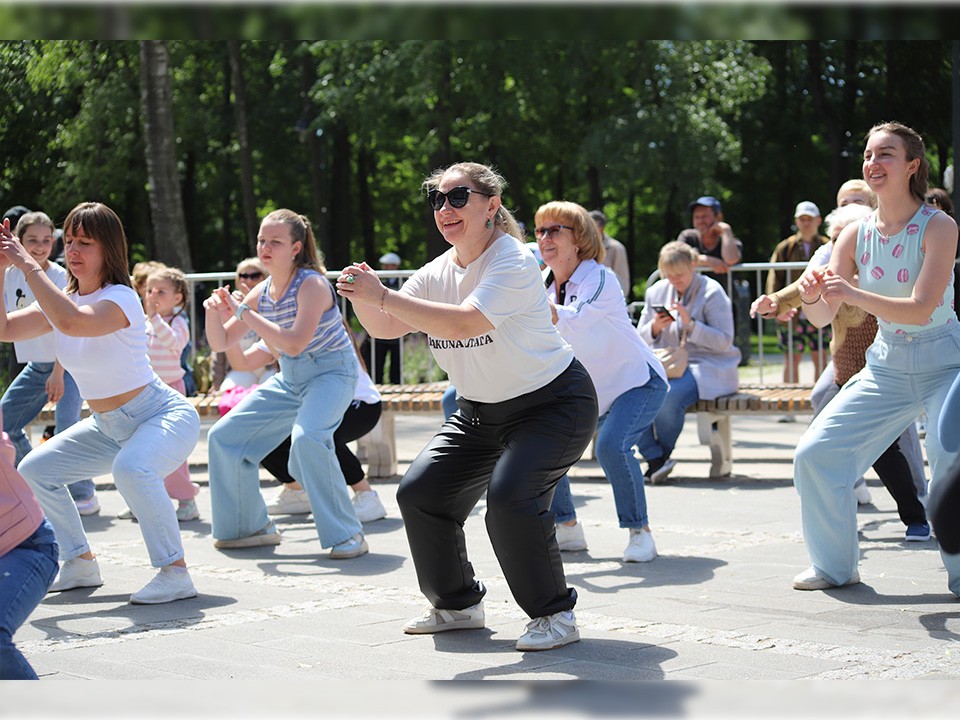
pixel 351 279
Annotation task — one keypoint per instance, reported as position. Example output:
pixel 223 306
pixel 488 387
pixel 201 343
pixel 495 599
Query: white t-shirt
pixel 18 295
pixel 594 320
pixel 524 351
pixel 111 364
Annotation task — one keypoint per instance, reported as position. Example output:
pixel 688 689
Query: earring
pixel 489 224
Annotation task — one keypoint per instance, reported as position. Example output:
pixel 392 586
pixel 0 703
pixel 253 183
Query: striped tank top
pixel 330 333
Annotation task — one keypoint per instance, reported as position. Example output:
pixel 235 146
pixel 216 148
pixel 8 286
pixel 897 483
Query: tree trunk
pixel 365 168
pixel 341 205
pixel 249 203
pixel 166 204
pixel 316 157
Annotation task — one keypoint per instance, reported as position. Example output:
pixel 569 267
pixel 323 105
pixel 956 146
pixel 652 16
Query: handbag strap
pixel 686 326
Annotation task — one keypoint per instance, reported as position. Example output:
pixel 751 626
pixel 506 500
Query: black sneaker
pixel 653 466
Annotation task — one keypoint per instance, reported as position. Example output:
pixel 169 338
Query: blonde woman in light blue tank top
pixel 903 253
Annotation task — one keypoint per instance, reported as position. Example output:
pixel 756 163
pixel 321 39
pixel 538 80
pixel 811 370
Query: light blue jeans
pixel 618 430
pixel 824 391
pixel 660 438
pixel 905 375
pixel 141 442
pixel 310 395
pixel 25 397
pixel 26 573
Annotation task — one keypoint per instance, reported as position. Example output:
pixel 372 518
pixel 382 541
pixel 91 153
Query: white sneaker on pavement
pixel 269 535
pixel 289 502
pixel 171 583
pixel 435 620
pixel 90 506
pixel 77 573
pixel 810 579
pixel 354 547
pixel 862 493
pixel 368 506
pixel 570 537
pixel 641 547
pixel 662 472
pixel 549 632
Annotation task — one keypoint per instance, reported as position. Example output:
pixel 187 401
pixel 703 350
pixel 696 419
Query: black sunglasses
pixel 550 230
pixel 931 200
pixel 458 197
pixel 250 275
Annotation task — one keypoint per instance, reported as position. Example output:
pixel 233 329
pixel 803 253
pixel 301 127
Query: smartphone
pixel 661 310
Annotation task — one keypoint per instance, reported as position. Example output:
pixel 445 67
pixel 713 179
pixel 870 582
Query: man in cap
pixel 799 247
pixel 712 238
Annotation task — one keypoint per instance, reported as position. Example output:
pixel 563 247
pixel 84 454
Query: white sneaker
pixel 641 547
pixel 862 493
pixel 354 547
pixel 368 506
pixel 269 535
pixel 549 632
pixel 90 506
pixel 289 502
pixel 435 620
pixel 810 579
pixel 77 573
pixel 570 538
pixel 171 583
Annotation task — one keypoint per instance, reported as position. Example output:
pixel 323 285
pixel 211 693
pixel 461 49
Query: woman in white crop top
pixel 527 410
pixel 141 429
pixel 903 256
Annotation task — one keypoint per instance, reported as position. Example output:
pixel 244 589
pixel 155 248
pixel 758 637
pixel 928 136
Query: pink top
pixel 20 513
pixel 167 337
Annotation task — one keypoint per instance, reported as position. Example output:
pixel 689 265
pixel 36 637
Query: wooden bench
pixel 713 416
pixel 379 447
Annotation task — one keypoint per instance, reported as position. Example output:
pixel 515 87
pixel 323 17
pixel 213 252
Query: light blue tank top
pixel 330 333
pixel 890 266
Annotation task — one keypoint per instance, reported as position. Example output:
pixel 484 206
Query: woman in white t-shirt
pixel 527 410
pixel 140 430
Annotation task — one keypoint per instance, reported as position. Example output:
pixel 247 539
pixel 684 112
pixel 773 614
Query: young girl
pixel 43 378
pixel 903 254
pixel 294 312
pixel 141 430
pixel 167 335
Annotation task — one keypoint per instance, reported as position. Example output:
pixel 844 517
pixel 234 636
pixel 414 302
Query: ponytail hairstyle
pixel 176 278
pixel 914 147
pixel 102 225
pixel 301 232
pixel 487 180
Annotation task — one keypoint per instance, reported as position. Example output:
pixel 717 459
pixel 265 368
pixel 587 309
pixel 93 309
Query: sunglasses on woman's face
pixel 458 197
pixel 550 230
pixel 250 275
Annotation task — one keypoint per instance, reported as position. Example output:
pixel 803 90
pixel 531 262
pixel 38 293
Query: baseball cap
pixel 806 208
pixel 707 201
pixel 390 258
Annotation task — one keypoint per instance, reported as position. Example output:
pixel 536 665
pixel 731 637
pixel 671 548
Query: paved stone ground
pixel 716 605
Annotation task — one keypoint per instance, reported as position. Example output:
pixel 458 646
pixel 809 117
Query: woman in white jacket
pixel 590 313
pixel 698 305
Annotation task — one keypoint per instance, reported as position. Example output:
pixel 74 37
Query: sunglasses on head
pixel 550 230
pixel 932 200
pixel 458 197
pixel 256 275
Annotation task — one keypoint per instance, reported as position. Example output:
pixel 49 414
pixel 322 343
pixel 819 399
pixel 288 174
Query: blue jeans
pixel 659 440
pixel 905 375
pixel 26 573
pixel 618 430
pixel 25 397
pixel 141 442
pixel 449 402
pixel 310 395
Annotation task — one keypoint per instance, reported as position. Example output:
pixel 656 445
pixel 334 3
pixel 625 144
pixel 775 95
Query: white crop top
pixel 111 364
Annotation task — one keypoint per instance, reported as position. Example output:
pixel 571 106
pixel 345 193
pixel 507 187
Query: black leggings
pixel 359 419
pixel 515 451
pixel 894 472
pixel 944 508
